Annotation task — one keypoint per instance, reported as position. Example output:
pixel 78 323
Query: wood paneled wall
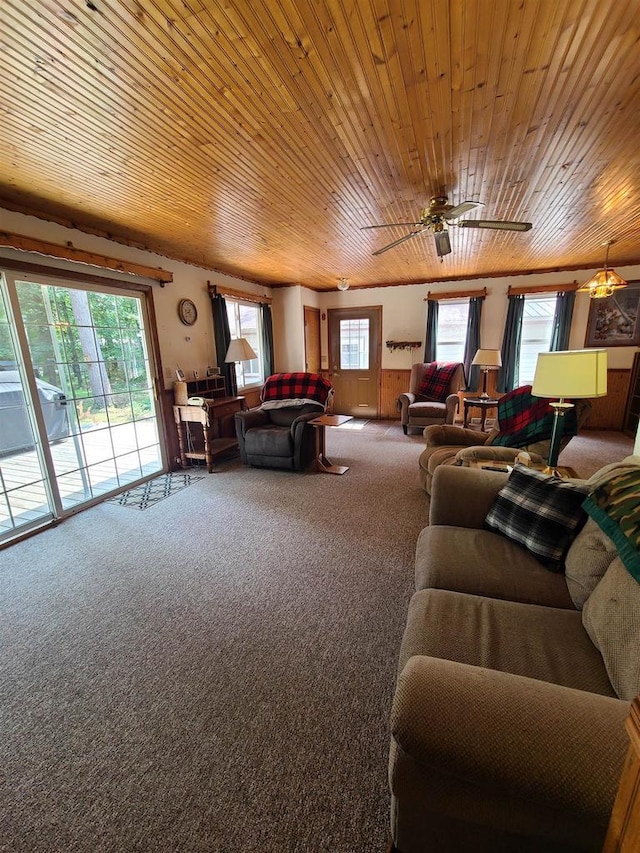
pixel 607 412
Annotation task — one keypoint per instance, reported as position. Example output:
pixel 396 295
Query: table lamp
pixel 568 373
pixel 240 350
pixel 488 359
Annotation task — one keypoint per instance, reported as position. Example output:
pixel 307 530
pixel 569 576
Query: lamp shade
pixel 571 373
pixel 240 350
pixel 488 358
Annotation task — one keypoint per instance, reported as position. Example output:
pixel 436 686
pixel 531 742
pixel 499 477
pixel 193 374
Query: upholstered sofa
pixel 514 682
pixel 455 445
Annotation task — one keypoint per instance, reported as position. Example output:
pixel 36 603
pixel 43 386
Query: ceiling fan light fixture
pixel 343 284
pixel 605 282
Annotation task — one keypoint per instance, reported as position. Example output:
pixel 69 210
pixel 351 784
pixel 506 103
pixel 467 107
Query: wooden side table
pixel 323 464
pixel 478 403
pixel 210 417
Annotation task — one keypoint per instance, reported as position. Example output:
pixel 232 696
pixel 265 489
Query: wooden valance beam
pixel 456 294
pixel 237 294
pixel 68 253
pixel 542 288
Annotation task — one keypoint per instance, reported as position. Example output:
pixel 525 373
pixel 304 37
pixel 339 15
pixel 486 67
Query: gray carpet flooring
pixel 215 673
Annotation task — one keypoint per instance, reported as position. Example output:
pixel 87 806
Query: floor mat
pixel 156 490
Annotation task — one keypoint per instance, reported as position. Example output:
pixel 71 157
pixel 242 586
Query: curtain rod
pixel 456 294
pixel 237 294
pixel 542 288
pixel 69 253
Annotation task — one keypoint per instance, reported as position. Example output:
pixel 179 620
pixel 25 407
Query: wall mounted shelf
pixel 393 345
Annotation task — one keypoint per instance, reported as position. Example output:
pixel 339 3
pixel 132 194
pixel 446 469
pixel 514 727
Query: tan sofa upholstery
pixel 455 445
pixel 417 412
pixel 507 731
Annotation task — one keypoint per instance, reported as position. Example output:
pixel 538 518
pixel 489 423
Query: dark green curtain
pixel 222 336
pixel 431 336
pixel 472 342
pixel 508 375
pixel 267 339
pixel 562 321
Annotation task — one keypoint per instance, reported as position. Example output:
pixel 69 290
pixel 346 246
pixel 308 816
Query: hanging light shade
pixel 605 281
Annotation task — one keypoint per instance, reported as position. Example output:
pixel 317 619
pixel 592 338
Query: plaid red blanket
pixel 525 419
pixel 296 386
pixel 437 380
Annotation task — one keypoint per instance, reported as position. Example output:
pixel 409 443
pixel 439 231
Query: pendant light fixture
pixel 605 281
pixel 343 284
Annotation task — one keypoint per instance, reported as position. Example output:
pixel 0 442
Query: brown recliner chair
pixel 455 445
pixel 418 411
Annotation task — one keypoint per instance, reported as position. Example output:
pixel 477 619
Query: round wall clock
pixel 187 312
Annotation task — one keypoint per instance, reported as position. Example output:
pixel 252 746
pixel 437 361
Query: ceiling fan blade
pixel 443 245
pixel 496 225
pixel 390 225
pixel 459 209
pixel 397 242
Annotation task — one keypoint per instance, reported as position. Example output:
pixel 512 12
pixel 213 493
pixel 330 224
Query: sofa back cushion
pixel 588 558
pixel 611 617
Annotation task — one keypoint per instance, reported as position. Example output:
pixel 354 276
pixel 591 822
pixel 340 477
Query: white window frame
pixel 535 335
pixel 247 371
pixel 447 357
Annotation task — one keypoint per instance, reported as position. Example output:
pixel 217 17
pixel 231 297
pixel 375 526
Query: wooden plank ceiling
pixel 258 138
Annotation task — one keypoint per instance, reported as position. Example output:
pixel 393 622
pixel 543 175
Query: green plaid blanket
pixel 615 507
pixel 525 419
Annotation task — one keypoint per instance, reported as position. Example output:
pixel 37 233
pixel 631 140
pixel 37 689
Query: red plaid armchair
pixel 440 402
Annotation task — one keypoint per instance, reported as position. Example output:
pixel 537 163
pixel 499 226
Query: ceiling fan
pixel 438 215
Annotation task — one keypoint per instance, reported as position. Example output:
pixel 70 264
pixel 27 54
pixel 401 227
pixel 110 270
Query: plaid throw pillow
pixel 539 512
pixel 615 507
pixel 437 380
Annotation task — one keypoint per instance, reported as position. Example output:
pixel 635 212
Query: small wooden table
pixel 211 417
pixel 481 403
pixel 324 465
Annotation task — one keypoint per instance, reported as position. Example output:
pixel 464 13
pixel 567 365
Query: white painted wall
pixel 403 307
pixel 404 312
pixel 191 347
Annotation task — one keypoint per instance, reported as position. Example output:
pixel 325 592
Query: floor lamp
pixel 575 374
pixel 239 350
pixel 488 359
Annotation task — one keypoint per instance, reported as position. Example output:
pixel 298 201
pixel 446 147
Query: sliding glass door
pixel 78 413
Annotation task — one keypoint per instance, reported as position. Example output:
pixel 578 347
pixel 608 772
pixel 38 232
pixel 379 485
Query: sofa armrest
pixel 448 435
pixel 402 405
pixel 461 497
pixel 250 418
pixel 494 453
pixel 508 734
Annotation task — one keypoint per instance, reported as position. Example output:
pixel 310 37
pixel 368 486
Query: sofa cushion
pixel 480 562
pixel 611 616
pixel 539 512
pixel 590 555
pixel 545 643
pixel 615 507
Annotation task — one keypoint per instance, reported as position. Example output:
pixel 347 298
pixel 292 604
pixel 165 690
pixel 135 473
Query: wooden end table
pixel 563 471
pixel 481 403
pixel 210 418
pixel 324 465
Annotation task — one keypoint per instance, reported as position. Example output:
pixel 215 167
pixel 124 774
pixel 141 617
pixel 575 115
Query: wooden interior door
pixel 355 347
pixel 311 339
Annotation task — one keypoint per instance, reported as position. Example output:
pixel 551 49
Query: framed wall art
pixel 615 320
